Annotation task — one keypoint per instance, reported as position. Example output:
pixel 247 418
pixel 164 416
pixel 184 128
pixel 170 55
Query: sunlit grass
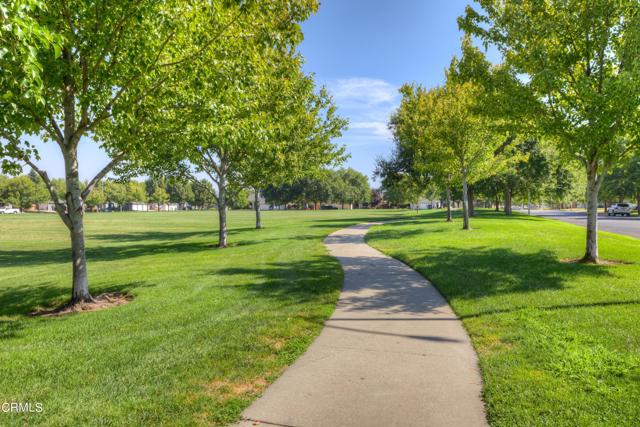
pixel 207 329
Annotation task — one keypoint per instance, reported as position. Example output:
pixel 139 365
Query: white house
pixel 264 206
pixel 46 207
pixel 426 204
pixel 136 207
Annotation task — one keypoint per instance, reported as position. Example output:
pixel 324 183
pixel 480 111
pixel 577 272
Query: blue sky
pixel 363 51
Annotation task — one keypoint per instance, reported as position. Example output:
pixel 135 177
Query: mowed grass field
pixel 207 329
pixel 558 341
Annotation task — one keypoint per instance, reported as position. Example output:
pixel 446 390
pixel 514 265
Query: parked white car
pixel 13 211
pixel 623 209
pixel 9 211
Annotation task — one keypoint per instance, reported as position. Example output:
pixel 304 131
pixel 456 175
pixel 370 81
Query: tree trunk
pixel 470 196
pixel 528 202
pixel 449 216
pixel 256 206
pixel 222 213
pixel 80 289
pixel 465 202
pixel 605 206
pixel 593 186
pixel 497 205
pixel 507 201
pixel 638 203
pixel 75 211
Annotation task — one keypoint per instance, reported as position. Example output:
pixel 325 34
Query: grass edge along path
pixel 207 329
pixel 558 342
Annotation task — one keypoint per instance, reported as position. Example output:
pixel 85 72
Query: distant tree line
pixel 345 187
pixel 24 191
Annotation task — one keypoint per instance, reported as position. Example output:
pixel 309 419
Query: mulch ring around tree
pixel 100 302
pixel 600 262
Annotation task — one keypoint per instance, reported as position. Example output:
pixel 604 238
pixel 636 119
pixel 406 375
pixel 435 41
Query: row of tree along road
pixel 565 96
pixel 172 88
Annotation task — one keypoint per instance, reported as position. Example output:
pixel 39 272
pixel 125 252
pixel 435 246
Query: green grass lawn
pixel 558 342
pixel 207 330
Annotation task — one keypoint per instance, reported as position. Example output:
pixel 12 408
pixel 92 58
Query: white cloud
pixel 379 129
pixel 367 103
pixel 363 91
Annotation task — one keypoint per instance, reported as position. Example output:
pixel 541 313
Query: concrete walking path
pixel 392 354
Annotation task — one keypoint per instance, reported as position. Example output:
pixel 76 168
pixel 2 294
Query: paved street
pixel 629 226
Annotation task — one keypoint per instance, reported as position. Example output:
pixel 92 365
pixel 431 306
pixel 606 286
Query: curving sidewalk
pixel 392 354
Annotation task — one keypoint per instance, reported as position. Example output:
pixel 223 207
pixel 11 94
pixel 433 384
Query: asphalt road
pixel 629 226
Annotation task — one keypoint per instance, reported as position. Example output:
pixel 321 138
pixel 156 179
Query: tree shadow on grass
pixel 289 282
pixel 148 244
pixel 339 223
pixel 23 258
pixel 138 236
pixel 24 300
pixel 151 235
pixel 553 308
pixel 481 271
pixel 474 274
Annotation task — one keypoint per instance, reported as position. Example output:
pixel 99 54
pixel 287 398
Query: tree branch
pixel 115 35
pixel 96 179
pixel 60 208
pixel 106 111
pixel 56 129
pixel 197 182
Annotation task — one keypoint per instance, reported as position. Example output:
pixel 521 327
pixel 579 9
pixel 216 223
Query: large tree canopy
pixel 110 69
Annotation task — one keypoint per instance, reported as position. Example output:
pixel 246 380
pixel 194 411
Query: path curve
pixel 392 354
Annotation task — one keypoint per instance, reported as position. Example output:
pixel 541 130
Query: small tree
pixel 203 194
pixel 159 196
pixel 464 136
pixel 97 198
pixel 116 193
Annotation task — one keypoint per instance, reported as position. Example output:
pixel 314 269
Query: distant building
pixel 426 204
pixel 136 207
pixel 47 207
pixel 264 206
pixel 162 207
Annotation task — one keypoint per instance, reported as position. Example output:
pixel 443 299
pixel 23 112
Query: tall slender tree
pixel 465 137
